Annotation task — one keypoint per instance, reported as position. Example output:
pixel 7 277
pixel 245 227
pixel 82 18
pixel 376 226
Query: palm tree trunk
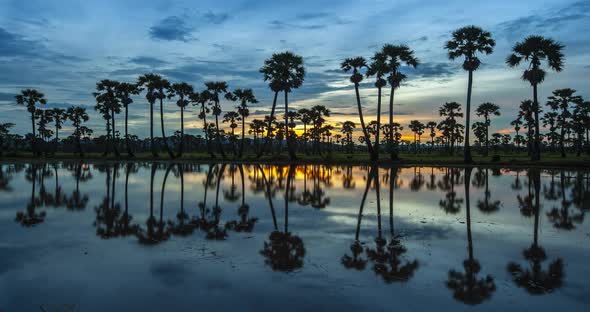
pixel 272 114
pixel 487 136
pixel 152 145
pixel 127 141
pixel 243 136
pixel 205 128
pixel 468 211
pixel 113 137
pixel 218 136
pixel 181 147
pixel 376 150
pixel 537 144
pixel 360 108
pixel 467 150
pixel 290 146
pixel 360 215
pixel 561 142
pixel 392 149
pixel 268 195
pixel 34 138
pixel 164 139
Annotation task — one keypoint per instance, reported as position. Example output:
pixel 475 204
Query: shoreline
pixel 582 162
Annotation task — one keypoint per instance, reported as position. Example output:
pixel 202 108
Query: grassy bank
pixel 505 159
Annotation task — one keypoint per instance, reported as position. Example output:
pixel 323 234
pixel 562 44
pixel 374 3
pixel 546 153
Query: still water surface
pixel 182 237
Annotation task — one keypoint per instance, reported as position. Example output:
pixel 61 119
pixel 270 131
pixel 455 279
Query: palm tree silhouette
pixel 285 72
pixel 152 236
pixel 396 55
pixel 108 105
pixel 107 212
pixel 378 68
pixel 487 206
pixel 451 204
pixel 31 97
pixel 356 64
pixel 154 85
pixel 77 115
pixel 202 100
pixel 467 42
pixel 123 224
pixel 465 285
pixel 124 91
pixel 486 110
pixel 245 96
pixel 58 115
pixel 534 50
pixel 184 91
pixel 214 90
pixel 77 200
pixel 534 279
pixel 562 218
pixel 182 226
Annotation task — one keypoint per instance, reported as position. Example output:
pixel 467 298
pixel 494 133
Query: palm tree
pixel 58 115
pixel 534 50
pixel 183 90
pixel 418 128
pixel 232 118
pixel 347 129
pixel 30 97
pixel 431 125
pixel 356 64
pixel 214 90
pixel 305 118
pixel 397 55
pixel 378 68
pixel 486 110
pixel 123 92
pixel 150 83
pixel 449 126
pixel 77 115
pixel 285 72
pixel 245 96
pixel 202 100
pixel 108 105
pixel 560 102
pixel 467 42
pixel 4 131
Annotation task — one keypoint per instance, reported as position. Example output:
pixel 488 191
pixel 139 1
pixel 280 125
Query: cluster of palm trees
pixel 568 115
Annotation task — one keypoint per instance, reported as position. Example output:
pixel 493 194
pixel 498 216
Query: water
pixel 92 237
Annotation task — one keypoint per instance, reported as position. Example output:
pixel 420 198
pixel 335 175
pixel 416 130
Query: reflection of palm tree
pixel 245 224
pixel 78 201
pixel 123 224
pixel 451 204
pixel 466 286
pixel 535 280
pixel 487 206
pixel 284 251
pixel 417 182
pixel 517 185
pixel 562 218
pixel 387 261
pixel 150 236
pixel 59 198
pixel 30 217
pixel 182 226
pixel 108 212
pixel 355 261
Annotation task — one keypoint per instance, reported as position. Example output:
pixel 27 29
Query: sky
pixel 62 48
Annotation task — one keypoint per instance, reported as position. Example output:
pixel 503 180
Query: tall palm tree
pixel 183 90
pixel 232 118
pixel 378 68
pixel 486 110
pixel 397 55
pixel 77 115
pixel 467 42
pixel 215 88
pixel 58 115
pixel 108 105
pixel 202 99
pixel 356 64
pixel 124 91
pixel 30 97
pixel 149 82
pixel 245 96
pixel 534 50
pixel 285 72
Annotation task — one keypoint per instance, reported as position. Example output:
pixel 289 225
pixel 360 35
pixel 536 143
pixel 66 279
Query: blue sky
pixel 64 47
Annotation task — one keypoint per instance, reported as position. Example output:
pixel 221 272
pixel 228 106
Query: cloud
pixel 171 28
pixel 148 61
pixel 282 25
pixel 431 70
pixel 17 46
pixel 214 18
pixel 311 15
pixel 6 97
